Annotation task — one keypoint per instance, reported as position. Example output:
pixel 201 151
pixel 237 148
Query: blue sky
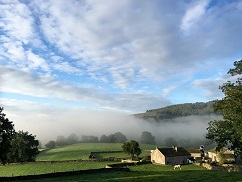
pixel 125 56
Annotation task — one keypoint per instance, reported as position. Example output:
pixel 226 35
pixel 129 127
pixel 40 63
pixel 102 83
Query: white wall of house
pixel 157 157
pixel 195 155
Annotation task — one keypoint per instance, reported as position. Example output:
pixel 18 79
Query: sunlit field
pixel 83 150
pixel 42 168
pixel 144 172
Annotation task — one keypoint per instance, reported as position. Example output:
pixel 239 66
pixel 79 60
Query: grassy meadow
pixel 42 168
pixel 144 172
pixel 154 173
pixel 82 151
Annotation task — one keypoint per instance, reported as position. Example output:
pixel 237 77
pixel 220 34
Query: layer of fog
pixel 47 126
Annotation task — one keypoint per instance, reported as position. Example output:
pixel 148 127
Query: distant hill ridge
pixel 179 110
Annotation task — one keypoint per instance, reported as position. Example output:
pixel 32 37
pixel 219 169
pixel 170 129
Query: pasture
pixel 144 172
pixel 154 173
pixel 82 151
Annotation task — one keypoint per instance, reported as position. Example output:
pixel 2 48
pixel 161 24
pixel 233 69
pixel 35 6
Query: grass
pixel 147 172
pixel 82 151
pixel 155 173
pixel 42 168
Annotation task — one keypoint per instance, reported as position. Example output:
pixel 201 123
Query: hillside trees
pixel 50 144
pixel 61 141
pixel 147 138
pixel 89 139
pixel 116 137
pixel 103 139
pixel 6 136
pixel 119 137
pixel 132 148
pixel 228 132
pixel 72 139
pixel 179 110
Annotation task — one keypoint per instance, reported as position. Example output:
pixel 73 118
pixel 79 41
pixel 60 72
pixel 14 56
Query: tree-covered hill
pixel 179 110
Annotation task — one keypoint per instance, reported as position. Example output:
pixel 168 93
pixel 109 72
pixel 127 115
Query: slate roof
pixel 171 152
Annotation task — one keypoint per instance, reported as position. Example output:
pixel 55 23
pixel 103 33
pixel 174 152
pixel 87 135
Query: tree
pixel 103 139
pixel 228 131
pixel 120 137
pixel 73 138
pixel 61 141
pixel 24 148
pixel 50 144
pixel 6 135
pixel 132 148
pixel 147 138
pixel 117 137
pixel 111 138
pixel 89 139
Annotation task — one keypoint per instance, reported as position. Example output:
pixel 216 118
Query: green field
pixel 155 173
pixel 82 151
pixel 144 172
pixel 42 168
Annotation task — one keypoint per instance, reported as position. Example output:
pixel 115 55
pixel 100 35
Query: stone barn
pixel 171 155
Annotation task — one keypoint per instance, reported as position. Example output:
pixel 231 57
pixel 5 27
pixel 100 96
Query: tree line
pixel 117 137
pixel 15 146
pixel 179 110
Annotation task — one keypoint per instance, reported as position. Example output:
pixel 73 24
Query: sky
pixel 118 57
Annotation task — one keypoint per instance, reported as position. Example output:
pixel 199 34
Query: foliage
pixel 61 141
pixel 118 137
pixel 89 139
pixel 24 148
pixel 73 138
pixel 147 138
pixel 50 144
pixel 6 135
pixel 229 130
pixel 103 139
pixel 179 110
pixel 132 148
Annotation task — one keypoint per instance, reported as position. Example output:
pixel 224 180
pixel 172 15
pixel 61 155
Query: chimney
pixel 175 148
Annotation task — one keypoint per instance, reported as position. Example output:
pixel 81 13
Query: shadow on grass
pixel 154 176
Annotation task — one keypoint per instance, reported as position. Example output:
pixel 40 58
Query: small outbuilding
pixel 171 155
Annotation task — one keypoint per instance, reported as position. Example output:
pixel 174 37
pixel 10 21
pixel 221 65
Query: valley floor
pixel 154 173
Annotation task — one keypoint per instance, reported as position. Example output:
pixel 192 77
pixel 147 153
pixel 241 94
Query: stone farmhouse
pixel 171 155
pixel 195 153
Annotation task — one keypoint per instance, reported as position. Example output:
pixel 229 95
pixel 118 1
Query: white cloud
pixel 35 61
pixel 166 91
pixel 66 67
pixel 46 86
pixel 123 45
pixel 210 86
pixel 16 21
pixel 194 14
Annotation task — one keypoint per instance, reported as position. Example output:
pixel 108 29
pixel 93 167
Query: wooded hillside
pixel 179 110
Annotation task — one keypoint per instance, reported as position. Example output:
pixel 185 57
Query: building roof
pixel 171 151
